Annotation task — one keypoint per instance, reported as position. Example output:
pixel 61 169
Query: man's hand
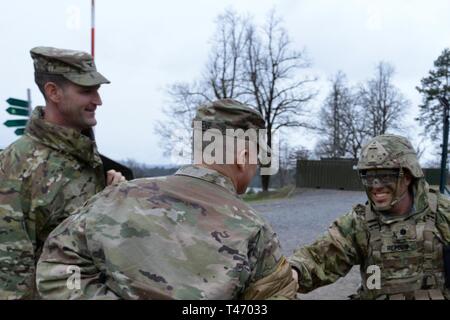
pixel 294 275
pixel 114 177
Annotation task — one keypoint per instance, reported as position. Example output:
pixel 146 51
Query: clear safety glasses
pixel 374 178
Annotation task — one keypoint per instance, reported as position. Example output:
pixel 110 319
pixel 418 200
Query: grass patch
pixel 281 193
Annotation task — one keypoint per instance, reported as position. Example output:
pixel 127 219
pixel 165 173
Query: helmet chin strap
pixel 396 199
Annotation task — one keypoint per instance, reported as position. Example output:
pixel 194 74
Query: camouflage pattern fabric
pixel 227 114
pixel 231 119
pixel 407 249
pixel 44 176
pixel 76 66
pixel 186 236
pixel 346 244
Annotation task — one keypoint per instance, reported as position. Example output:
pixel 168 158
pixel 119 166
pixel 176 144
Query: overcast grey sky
pixel 142 46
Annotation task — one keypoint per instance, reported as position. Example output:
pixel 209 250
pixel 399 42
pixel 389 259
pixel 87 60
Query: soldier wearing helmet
pixel 399 238
pixel 389 162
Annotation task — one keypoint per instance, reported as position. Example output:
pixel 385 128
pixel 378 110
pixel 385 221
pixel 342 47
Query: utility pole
pixel 92 28
pixel 443 180
pixel 29 100
pixel 107 162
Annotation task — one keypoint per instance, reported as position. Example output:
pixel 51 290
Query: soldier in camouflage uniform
pixel 52 169
pixel 399 238
pixel 186 236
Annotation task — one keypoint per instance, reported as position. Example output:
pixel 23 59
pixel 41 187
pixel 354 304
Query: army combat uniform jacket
pixel 186 236
pixel 404 255
pixel 44 176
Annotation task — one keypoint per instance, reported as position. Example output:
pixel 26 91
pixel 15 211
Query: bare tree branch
pixel 254 65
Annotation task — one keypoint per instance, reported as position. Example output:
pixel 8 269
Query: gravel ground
pixel 303 217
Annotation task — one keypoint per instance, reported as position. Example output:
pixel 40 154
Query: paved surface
pixel 303 217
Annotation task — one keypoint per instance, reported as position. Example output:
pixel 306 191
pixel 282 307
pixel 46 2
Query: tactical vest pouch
pixel 434 294
pixel 447 265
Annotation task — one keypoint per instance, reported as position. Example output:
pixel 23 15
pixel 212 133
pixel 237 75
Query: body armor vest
pixel 409 255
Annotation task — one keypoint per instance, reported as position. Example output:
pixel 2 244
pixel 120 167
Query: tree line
pixel 257 65
pixel 351 115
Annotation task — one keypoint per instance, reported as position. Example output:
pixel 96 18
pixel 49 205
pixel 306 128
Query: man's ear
pixel 408 178
pixel 242 160
pixel 53 92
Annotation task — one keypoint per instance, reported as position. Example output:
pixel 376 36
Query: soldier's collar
pixel 208 175
pixel 62 139
pixel 388 219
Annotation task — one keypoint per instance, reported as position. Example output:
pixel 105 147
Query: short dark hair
pixel 42 78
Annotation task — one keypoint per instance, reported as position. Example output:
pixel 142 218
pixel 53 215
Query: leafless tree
pixel 382 101
pixel 221 79
pixel 344 122
pixel 333 130
pixel 356 126
pixel 176 129
pixel 274 86
pixel 288 156
pixel 224 70
pixel 253 65
pixel 283 152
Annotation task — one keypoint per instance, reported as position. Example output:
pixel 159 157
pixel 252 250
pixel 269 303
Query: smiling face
pixel 383 188
pixel 78 105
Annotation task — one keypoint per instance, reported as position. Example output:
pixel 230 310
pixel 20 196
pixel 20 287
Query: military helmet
pixel 389 151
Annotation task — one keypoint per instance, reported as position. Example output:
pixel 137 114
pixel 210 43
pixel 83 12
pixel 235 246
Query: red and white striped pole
pixel 93 45
pixel 92 28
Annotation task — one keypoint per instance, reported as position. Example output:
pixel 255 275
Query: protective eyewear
pixel 379 178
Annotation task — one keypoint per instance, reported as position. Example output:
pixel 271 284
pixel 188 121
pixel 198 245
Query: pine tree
pixel 435 85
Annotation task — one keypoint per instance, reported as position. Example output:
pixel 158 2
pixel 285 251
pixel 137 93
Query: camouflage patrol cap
pixel 229 114
pixel 389 151
pixel 76 66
